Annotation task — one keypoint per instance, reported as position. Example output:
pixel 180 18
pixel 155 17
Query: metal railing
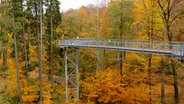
pixel 175 49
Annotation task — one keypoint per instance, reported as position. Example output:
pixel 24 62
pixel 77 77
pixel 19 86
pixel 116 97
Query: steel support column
pixel 71 74
pixel 98 59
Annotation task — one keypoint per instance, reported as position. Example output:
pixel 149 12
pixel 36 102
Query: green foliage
pixel 52 21
pixel 3 68
pixel 120 17
pixel 69 25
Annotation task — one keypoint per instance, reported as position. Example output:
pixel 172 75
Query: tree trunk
pixel 51 45
pixel 97 36
pixel 4 61
pixel 149 75
pixel 166 13
pixel 25 52
pixel 162 82
pixel 51 52
pixel 36 18
pixel 4 56
pixel 121 64
pixel 40 53
pixel 83 73
pixel 25 47
pixel 4 50
pixel 17 70
pixel 169 34
pixel 175 82
pixel 121 37
pixel 51 49
pixel 16 57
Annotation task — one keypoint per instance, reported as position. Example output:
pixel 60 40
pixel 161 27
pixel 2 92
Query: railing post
pixel 172 46
pixel 142 46
pixel 165 46
pixel 182 45
pixel 158 47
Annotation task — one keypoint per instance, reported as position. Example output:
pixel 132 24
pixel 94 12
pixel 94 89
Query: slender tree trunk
pixel 51 46
pixel 98 59
pixel 37 20
pixel 121 37
pixel 149 61
pixel 4 54
pixel 25 52
pixel 4 57
pixel 1 39
pixel 83 73
pixel 40 53
pixel 175 82
pixel 51 49
pixel 17 70
pixel 162 82
pixel 4 61
pixel 166 13
pixel 176 93
pixel 3 47
pixel 121 63
pixel 149 75
pixel 16 57
pixel 97 36
pixel 25 48
pixel 168 30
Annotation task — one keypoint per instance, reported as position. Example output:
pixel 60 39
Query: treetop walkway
pixel 174 49
pixel 171 49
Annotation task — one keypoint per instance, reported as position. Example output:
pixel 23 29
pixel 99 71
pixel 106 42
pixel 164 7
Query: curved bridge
pixel 172 49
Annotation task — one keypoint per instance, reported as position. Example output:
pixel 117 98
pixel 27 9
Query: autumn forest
pixel 32 65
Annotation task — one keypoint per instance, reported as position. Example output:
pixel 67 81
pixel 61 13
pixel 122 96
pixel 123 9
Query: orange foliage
pixel 109 87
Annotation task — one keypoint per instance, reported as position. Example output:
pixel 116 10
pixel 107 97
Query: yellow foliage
pixel 47 93
pixel 10 83
pixel 135 63
pixel 29 94
pixel 108 86
pixel 147 20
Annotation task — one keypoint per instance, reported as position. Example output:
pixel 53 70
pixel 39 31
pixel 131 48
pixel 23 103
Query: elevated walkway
pixel 173 49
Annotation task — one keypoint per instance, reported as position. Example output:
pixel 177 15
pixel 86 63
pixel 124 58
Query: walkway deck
pixel 174 49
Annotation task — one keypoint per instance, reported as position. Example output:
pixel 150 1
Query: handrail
pixel 175 49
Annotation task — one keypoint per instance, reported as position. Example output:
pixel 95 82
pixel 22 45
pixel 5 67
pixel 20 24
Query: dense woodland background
pixel 32 67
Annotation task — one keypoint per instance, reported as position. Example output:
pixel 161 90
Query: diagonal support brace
pixel 71 79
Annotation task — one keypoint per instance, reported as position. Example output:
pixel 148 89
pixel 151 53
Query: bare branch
pixel 180 15
pixel 173 4
pixel 161 7
pixel 164 4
